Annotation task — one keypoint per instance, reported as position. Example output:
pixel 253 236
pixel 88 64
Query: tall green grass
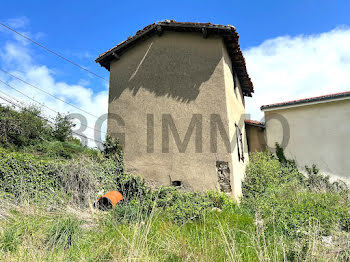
pixel 229 235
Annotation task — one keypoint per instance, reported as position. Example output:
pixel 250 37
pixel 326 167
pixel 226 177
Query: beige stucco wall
pixel 319 134
pixel 179 74
pixel 236 115
pixel 255 138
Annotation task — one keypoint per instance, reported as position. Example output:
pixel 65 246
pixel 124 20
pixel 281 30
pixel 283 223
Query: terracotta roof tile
pixel 254 123
pixel 307 100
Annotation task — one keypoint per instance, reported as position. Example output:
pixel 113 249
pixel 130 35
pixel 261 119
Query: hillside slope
pixel 49 184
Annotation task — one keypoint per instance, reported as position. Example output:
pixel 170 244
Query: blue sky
pixel 83 29
pixel 293 48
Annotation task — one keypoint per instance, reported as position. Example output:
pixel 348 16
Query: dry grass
pixel 29 233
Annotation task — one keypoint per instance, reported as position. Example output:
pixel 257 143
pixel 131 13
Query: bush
pixel 131 186
pixel 181 207
pixel 62 130
pixel 57 149
pixel 30 178
pixel 265 172
pixel 175 205
pixel 286 199
pixel 27 131
pixel 112 148
pixel 22 128
pixel 25 176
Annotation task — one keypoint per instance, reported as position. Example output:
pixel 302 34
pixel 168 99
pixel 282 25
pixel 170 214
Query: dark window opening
pixel 239 144
pixel 176 183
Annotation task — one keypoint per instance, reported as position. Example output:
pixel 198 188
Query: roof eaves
pixel 228 32
pixel 307 100
pixel 254 123
pixel 125 43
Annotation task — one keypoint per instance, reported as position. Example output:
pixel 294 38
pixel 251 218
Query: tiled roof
pixel 228 33
pixel 307 100
pixel 254 123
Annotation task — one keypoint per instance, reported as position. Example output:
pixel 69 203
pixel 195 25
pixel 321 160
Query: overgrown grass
pixel 227 235
pixel 291 201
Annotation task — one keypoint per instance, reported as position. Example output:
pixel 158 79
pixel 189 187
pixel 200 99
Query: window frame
pixel 239 140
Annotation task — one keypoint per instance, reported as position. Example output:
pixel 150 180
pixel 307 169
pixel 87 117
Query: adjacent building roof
pixel 254 123
pixel 316 99
pixel 229 34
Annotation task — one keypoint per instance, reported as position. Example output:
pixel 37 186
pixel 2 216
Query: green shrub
pixel 28 177
pixel 288 201
pixel 57 149
pixel 113 149
pixel 27 131
pixel 132 211
pixel 181 206
pixel 264 172
pixel 130 186
pixel 221 200
pixel 178 206
pixel 23 175
pixel 62 129
pixel 22 128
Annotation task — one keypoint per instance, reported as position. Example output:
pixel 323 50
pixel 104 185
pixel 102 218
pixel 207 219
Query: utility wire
pixel 27 96
pixel 48 120
pixel 52 52
pixel 8 100
pixel 42 90
pixel 10 97
pixel 20 104
pixel 53 110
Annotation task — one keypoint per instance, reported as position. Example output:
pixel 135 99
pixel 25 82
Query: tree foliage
pixel 26 130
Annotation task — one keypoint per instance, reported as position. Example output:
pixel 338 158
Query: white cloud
pixel 287 68
pixel 83 55
pixel 16 57
pixel 15 54
pixel 18 22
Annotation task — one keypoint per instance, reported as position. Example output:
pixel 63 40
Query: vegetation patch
pixel 49 183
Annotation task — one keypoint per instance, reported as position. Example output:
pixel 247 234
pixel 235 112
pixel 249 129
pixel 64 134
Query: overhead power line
pixel 42 104
pixel 42 90
pixel 8 100
pixel 10 97
pixel 48 120
pixel 27 96
pixel 52 52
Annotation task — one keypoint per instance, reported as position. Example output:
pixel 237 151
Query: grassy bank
pixel 34 234
pixel 283 216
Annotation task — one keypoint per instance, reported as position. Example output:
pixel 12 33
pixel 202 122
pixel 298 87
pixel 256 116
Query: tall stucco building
pixel 176 101
pixel 313 131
